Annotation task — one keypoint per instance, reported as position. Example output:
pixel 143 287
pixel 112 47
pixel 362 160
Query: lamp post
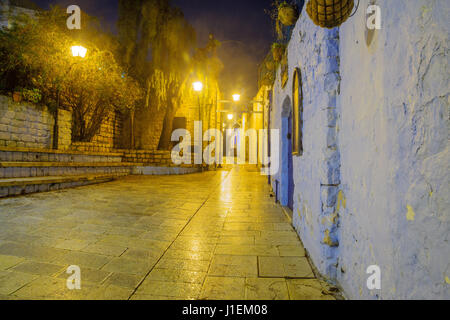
pixel 77 52
pixel 198 88
pixel 235 98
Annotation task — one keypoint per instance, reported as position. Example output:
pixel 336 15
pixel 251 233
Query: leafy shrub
pixel 36 53
pixel 33 95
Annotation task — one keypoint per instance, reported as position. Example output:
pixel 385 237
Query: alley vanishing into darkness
pixel 214 235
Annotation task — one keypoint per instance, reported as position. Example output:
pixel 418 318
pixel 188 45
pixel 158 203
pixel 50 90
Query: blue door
pixel 290 166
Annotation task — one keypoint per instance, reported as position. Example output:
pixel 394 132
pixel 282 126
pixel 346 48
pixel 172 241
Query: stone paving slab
pixel 10 282
pixel 124 280
pixel 38 268
pixel 89 275
pixel 266 289
pixel 7 262
pixel 223 288
pixel 216 235
pixel 285 267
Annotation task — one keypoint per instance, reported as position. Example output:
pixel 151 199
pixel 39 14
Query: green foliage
pixel 170 46
pixel 274 14
pixel 277 45
pixel 283 4
pixel 266 71
pixel 32 95
pixel 288 14
pixel 154 28
pixel 36 53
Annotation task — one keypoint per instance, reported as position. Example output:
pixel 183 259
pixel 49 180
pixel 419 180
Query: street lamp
pixel 79 51
pixel 198 86
pixel 230 117
pixel 236 97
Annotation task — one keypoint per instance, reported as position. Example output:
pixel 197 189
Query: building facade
pixel 368 180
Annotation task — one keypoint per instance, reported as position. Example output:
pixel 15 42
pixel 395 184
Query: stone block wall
pixel 65 129
pixel 25 125
pixel 117 129
pixel 148 125
pixel 107 137
pixel 148 157
pixel 190 110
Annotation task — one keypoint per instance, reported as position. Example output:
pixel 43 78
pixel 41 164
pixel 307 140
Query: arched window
pixel 297 115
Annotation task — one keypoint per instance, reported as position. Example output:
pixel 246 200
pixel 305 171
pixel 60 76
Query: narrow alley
pixel 224 150
pixel 214 235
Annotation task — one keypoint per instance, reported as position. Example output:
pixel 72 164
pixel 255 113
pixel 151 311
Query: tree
pixel 36 53
pixel 172 63
pixel 161 32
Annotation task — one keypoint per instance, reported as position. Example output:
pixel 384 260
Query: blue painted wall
pixel 372 185
pixel 316 173
pixel 393 137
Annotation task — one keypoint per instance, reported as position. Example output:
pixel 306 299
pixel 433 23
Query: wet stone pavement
pixel 215 235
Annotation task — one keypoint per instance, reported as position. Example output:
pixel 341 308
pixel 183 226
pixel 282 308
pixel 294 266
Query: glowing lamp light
pixel 230 117
pixel 236 97
pixel 198 86
pixel 79 51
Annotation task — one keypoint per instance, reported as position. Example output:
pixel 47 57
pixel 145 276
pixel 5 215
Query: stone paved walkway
pixel 216 235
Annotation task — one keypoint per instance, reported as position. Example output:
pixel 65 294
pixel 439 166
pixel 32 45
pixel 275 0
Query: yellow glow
pixel 236 97
pixel 79 51
pixel 411 215
pixel 230 117
pixel 198 86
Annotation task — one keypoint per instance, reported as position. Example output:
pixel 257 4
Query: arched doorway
pixel 287 166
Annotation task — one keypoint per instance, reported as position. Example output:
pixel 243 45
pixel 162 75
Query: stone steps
pixel 30 170
pixel 18 169
pixel 29 164
pixel 20 186
pixel 8 154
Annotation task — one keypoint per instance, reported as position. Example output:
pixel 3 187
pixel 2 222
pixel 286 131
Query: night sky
pixel 243 27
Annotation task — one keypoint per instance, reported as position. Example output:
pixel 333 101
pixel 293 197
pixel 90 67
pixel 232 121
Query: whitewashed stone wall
pixel 316 173
pixel 372 185
pixel 394 145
